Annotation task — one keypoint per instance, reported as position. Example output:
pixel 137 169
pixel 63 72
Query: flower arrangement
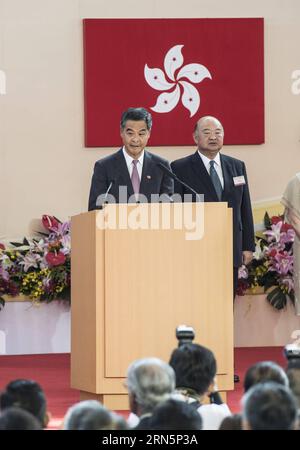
pixel 272 264
pixel 38 268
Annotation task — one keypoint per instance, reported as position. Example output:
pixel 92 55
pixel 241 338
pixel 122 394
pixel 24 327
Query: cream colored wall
pixel 44 167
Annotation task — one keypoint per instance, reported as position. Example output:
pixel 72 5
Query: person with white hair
pixel 92 415
pixel 150 381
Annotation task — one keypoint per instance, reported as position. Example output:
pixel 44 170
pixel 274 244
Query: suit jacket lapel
pixel 203 183
pixel 146 173
pixel 227 176
pixel 121 169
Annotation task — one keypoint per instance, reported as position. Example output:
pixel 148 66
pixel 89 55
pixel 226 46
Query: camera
pixel 292 354
pixel 184 335
pixel 291 351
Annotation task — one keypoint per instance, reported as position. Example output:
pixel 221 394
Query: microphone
pixel 102 199
pixel 172 175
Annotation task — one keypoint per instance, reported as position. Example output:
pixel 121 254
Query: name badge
pixel 239 181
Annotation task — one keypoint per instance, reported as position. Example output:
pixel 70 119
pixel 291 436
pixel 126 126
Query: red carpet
pixel 246 357
pixel 52 372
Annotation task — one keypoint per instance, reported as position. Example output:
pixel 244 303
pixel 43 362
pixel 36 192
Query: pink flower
pixel 2 246
pixel 243 272
pixel 50 222
pixel 55 259
pixel 287 236
pixel 282 263
pixel 274 233
pixel 4 274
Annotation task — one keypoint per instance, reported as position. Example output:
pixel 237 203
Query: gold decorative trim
pixel 259 290
pixel 18 298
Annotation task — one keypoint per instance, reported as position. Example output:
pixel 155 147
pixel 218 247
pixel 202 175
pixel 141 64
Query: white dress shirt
pixel 217 166
pixel 129 160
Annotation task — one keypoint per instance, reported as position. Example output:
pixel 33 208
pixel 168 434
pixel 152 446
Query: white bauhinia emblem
pixel 190 97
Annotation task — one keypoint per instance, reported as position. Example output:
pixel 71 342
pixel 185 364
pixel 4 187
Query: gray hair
pixel 136 114
pixel 152 381
pixel 77 415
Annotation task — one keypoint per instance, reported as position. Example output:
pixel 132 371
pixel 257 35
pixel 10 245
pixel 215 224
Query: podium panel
pixel 132 287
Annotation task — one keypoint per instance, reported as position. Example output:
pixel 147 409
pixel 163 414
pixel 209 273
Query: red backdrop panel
pixel 116 52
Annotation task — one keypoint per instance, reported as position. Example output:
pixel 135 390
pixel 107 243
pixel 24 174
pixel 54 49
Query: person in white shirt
pixel 195 368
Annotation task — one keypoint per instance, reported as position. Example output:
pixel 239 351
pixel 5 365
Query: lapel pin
pixel 148 177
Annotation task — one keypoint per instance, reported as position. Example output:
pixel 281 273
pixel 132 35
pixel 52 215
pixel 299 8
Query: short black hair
pixel 136 114
pixel 264 371
pixel 175 415
pixel 25 394
pixel 195 367
pixel 18 419
pixel 270 406
pixel 233 422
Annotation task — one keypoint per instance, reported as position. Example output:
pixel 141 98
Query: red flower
pixel 55 259
pixel 242 287
pixel 273 252
pixel 50 222
pixel 285 227
pixel 276 219
pixel 2 246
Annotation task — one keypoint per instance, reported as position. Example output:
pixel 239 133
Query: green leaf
pixel 277 299
pixel 267 221
pixel 59 221
pixel 17 244
pixel 42 234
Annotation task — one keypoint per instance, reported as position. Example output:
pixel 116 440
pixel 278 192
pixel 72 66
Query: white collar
pixel 206 160
pixel 129 158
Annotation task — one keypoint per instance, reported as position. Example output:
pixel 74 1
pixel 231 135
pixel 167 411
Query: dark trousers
pixel 235 281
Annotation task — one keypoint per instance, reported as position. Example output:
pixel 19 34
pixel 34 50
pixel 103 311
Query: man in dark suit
pixel 132 173
pixel 219 178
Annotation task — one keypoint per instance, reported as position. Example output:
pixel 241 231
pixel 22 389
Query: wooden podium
pixel 133 285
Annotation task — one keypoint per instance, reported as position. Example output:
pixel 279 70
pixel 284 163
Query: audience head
pixel 265 371
pixel 195 367
pixel 269 406
pixel 92 415
pixel 150 381
pixel 27 395
pixel 175 415
pixel 18 419
pixel 232 423
pixel 294 380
